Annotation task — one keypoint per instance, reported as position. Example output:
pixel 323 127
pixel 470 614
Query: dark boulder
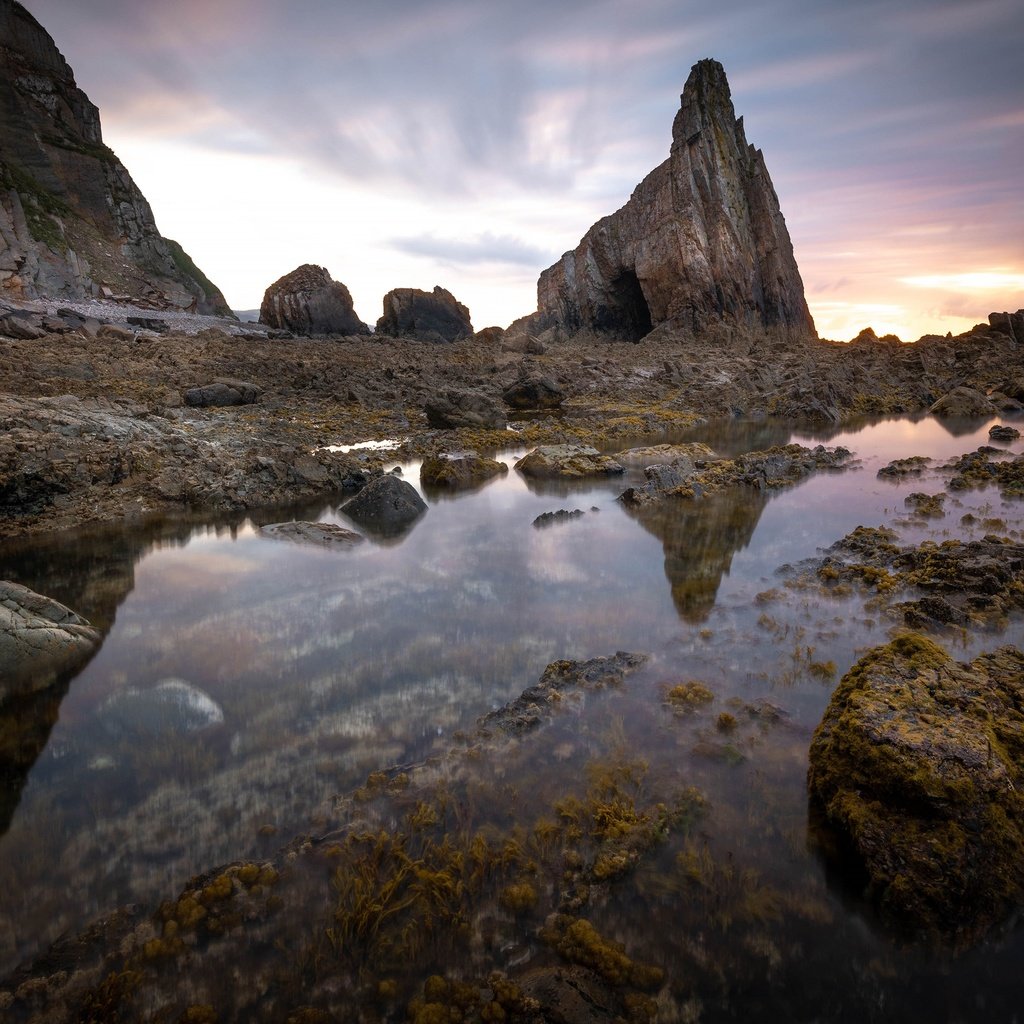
pixel 429 316
pixel 459 470
pixel 309 302
pixel 453 408
pixel 534 391
pixel 222 392
pixel 386 505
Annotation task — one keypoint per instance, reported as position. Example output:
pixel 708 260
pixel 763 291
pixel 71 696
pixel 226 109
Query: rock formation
pixel 309 302
pixel 702 238
pixel 73 224
pixel 429 316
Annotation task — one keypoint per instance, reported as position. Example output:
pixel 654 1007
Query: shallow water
pixel 299 670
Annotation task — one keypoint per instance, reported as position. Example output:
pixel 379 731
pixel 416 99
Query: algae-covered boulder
pixel 918 765
pixel 567 461
pixel 456 470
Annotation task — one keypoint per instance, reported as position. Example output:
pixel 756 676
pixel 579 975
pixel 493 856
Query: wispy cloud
pixel 486 248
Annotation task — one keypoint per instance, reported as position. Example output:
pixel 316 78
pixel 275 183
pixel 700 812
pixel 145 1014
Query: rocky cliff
pixel 73 224
pixel 702 238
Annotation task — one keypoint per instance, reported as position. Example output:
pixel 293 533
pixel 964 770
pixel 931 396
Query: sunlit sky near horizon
pixel 469 143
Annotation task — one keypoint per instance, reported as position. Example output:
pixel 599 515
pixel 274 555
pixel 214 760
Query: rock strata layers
pixel 73 223
pixel 308 301
pixel 702 238
pixel 429 316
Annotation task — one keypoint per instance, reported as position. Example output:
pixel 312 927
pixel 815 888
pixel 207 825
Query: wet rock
pixel 917 765
pixel 222 392
pixel 173 706
pixel 537 703
pixel 309 302
pixel 963 402
pixel 452 408
pixel 571 995
pixel 928 506
pixel 1004 434
pixel 1010 324
pixel 386 505
pixel 976 469
pixel 666 454
pixel 429 316
pixel 533 391
pixel 458 470
pixel 765 471
pixel 915 465
pixel 563 515
pixel 567 461
pixel 327 535
pixel 39 639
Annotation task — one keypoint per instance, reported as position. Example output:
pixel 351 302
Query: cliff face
pixel 701 239
pixel 73 224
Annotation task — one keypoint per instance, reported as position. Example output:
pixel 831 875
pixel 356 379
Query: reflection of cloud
pixel 486 248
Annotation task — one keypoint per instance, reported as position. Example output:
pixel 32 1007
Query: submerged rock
pixel 457 470
pixel 532 706
pixel 563 515
pixel 328 535
pixel 172 706
pixel 567 461
pixel 39 639
pixel 1001 432
pixel 386 505
pixel 917 764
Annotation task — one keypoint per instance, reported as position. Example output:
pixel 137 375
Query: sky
pixel 469 143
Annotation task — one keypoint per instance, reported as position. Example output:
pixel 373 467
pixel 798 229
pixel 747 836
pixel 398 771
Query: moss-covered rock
pixel 917 764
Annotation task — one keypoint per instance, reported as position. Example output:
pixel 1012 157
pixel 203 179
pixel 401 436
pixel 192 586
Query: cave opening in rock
pixel 632 315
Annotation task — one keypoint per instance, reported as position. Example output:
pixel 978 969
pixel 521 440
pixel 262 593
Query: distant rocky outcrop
pixel 702 239
pixel 429 316
pixel 309 302
pixel 73 224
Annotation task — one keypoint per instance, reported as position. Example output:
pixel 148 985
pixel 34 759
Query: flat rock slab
pixel 662 454
pixel 567 461
pixel 918 764
pixel 325 535
pixel 39 639
pixel 386 505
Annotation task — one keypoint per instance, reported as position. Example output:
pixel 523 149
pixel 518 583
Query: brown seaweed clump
pixel 917 765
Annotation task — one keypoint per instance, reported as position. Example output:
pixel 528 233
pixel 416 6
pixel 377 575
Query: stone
pixel 489 335
pixel 73 223
pixel 567 461
pixel 563 515
pixel 429 316
pixel 459 470
pixel 172 706
pixel 40 639
pixel 670 454
pixel 533 391
pixel 309 302
pixel 386 505
pixel 452 408
pixel 963 402
pixel 114 332
pixel 222 392
pixel 21 328
pixel 1001 432
pixel 327 535
pixel 701 240
pixel 149 323
pixel 918 766
pixel 1010 324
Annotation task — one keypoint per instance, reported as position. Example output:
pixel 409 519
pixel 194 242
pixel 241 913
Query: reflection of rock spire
pixel 699 540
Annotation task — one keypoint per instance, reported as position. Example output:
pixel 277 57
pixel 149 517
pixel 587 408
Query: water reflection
pixel 699 540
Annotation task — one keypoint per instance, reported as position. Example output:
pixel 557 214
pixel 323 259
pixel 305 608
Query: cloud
pixel 485 248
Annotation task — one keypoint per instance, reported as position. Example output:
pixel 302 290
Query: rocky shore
pixel 104 418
